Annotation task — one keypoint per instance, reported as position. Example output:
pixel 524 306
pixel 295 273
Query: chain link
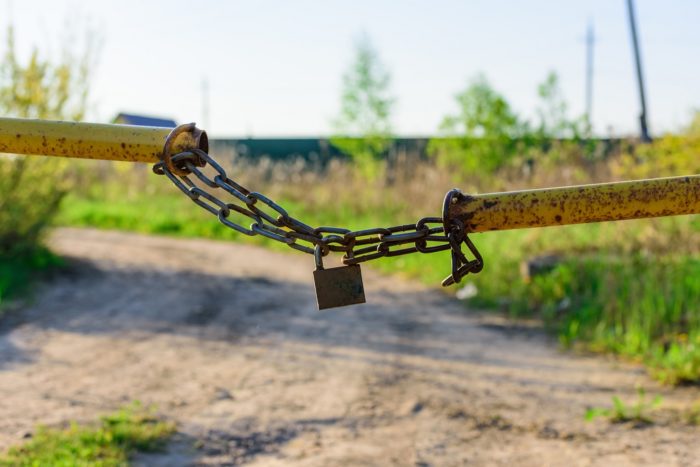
pixel 269 219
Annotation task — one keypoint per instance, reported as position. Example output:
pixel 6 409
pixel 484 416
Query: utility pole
pixel 644 130
pixel 590 41
pixel 205 103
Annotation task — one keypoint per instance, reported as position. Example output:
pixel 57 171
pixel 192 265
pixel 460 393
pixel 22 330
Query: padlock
pixel 339 286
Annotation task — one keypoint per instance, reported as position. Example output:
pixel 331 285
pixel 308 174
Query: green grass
pixel 107 443
pixel 631 288
pixel 21 267
pixel 638 411
pixel 646 308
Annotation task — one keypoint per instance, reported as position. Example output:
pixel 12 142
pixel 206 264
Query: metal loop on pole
pixel 167 157
pixel 456 234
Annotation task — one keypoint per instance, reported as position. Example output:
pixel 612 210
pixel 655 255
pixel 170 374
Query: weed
pixel 109 443
pixel 637 412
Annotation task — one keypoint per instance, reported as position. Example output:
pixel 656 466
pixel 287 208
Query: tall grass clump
pixel 644 308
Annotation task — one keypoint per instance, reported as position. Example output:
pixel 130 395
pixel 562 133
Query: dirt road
pixel 226 340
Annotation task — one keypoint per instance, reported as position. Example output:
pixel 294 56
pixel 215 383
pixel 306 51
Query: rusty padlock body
pixel 339 286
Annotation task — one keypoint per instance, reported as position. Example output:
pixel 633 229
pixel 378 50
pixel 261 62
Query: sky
pixel 274 67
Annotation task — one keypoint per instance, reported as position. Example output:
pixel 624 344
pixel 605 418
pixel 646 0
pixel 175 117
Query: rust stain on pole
pixel 91 140
pixel 579 204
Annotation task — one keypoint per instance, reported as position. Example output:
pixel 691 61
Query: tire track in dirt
pixel 225 339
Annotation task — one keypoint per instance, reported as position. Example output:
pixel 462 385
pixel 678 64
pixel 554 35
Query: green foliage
pixel 553 121
pixel 669 155
pixel 486 136
pixel 483 135
pixel 483 113
pixel 30 192
pixel 110 443
pixel 31 188
pixel 640 307
pixel 637 412
pixel 20 267
pixel 677 361
pixel 41 88
pixel 363 128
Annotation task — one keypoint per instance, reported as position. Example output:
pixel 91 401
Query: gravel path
pixel 225 339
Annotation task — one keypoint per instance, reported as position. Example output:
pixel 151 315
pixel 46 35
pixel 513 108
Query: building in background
pixel 143 120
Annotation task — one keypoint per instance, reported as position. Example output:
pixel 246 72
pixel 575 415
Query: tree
pixel 363 128
pixel 481 136
pixel 32 188
pixel 552 111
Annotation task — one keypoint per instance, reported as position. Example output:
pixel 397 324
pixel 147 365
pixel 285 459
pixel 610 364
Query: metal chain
pixel 269 219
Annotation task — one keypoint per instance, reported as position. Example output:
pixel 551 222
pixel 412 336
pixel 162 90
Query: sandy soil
pixel 226 340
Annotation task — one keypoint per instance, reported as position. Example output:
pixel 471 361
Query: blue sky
pixel 274 67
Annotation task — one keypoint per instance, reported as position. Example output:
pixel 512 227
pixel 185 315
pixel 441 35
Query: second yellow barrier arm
pixel 578 204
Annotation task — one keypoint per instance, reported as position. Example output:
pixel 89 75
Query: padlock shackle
pixel 318 257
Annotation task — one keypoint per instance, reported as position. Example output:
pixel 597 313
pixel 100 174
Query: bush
pixel 639 307
pixel 670 155
pixel 482 136
pixel 31 188
pixel 486 137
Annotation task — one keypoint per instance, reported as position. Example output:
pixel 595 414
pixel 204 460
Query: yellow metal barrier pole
pixel 92 140
pixel 578 204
